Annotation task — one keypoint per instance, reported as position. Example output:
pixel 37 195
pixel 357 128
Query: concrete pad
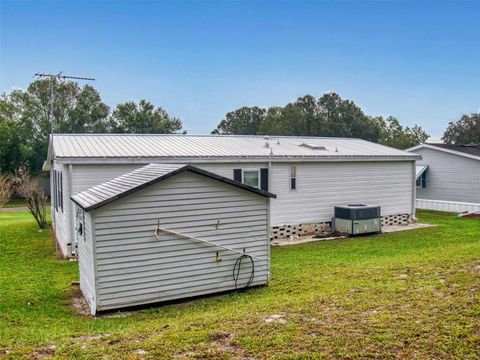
pixel 295 240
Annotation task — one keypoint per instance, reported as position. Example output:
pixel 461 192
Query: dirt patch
pixel 275 318
pixel 79 304
pixel 44 352
pixel 224 346
pixel 471 216
pixel 140 352
pixel 92 337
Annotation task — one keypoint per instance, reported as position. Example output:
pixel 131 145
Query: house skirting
pixel 443 205
pixel 285 231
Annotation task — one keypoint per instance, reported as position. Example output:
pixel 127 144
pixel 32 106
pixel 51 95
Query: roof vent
pixel 313 146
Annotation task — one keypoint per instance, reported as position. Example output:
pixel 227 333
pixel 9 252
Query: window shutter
pixel 424 180
pixel 54 194
pixel 264 179
pixel 61 190
pixel 237 175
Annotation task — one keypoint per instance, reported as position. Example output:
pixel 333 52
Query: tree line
pixel 330 116
pixel 25 122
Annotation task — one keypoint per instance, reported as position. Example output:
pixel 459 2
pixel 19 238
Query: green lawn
pixel 412 294
pixel 16 203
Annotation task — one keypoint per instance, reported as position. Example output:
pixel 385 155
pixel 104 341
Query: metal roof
pixel 469 151
pixel 75 147
pixel 419 170
pixel 138 179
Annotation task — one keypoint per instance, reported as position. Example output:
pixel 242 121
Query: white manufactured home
pixel 169 231
pixel 309 175
pixel 448 177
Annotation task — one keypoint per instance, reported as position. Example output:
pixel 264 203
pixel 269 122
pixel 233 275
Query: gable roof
pixel 470 151
pixel 143 177
pixel 146 148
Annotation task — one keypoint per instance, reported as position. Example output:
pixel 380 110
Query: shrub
pixel 31 190
pixel 6 189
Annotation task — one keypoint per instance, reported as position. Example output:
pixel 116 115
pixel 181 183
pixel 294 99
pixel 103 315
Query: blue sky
pixel 418 61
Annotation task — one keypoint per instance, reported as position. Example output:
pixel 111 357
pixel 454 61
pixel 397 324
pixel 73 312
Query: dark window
pixel 293 177
pixel 293 183
pixel 422 181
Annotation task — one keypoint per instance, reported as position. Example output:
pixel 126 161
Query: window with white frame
pixel 422 181
pixel 251 178
pixel 57 190
pixel 293 177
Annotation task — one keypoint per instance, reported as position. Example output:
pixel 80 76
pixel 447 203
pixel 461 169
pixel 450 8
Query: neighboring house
pixel 136 233
pixel 448 177
pixel 309 175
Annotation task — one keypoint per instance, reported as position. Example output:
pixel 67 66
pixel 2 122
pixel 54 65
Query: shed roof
pixel 147 148
pixel 138 179
pixel 470 151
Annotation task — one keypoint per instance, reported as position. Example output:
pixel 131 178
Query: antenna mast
pixel 58 77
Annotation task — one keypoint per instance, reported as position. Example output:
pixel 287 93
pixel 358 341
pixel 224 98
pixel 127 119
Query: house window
pixel 293 177
pixel 57 190
pixel 251 178
pixel 422 181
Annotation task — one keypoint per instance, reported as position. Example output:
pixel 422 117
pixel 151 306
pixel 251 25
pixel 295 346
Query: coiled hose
pixel 236 271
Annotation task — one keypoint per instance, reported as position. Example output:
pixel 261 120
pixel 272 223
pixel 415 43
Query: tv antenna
pixel 58 77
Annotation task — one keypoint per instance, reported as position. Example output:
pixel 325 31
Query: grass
pixel 13 203
pixel 412 294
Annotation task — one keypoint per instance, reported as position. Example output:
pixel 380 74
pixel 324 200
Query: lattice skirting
pixel 285 231
pixel 400 219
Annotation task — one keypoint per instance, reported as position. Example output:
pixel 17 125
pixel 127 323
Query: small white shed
pixel 169 231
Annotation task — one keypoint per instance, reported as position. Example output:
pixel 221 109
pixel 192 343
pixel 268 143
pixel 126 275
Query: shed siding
pixel 450 177
pixel 86 262
pixel 133 267
pixel 321 186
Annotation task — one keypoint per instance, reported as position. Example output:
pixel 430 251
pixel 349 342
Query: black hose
pixel 236 272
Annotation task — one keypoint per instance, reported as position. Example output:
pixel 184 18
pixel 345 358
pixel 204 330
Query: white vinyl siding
pixel 86 176
pixel 319 187
pixel 133 267
pixel 450 177
pixel 62 218
pixel 322 186
pixel 86 262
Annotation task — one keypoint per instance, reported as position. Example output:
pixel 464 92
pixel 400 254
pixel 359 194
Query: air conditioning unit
pixel 355 219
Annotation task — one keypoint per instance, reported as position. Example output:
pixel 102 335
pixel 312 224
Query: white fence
pixel 441 205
